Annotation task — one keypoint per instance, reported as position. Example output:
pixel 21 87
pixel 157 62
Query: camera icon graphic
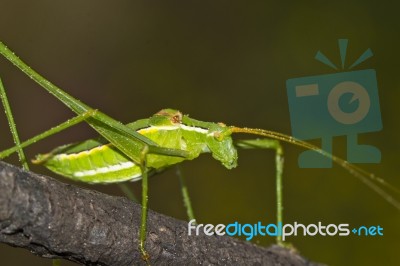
pixel 339 104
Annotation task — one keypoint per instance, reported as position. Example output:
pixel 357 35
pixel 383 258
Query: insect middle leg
pixel 185 194
pixel 275 145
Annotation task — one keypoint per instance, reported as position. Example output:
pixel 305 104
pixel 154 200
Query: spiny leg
pixel 13 127
pixel 143 224
pixel 275 145
pixel 17 142
pixel 185 194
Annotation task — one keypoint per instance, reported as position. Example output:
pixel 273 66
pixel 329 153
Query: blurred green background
pixel 222 61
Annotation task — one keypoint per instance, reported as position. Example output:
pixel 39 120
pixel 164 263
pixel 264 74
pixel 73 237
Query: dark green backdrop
pixel 218 61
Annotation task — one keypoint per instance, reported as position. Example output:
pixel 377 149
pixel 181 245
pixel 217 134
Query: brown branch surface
pixel 57 220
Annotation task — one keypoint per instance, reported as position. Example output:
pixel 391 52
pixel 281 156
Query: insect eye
pixel 177 118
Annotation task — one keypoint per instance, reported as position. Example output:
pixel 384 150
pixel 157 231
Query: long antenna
pixel 365 177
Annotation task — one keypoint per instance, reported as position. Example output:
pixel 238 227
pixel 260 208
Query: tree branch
pixel 56 220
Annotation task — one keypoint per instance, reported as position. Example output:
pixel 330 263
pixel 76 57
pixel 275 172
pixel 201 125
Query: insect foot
pixel 145 255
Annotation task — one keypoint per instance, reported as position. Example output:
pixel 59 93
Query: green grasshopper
pixel 139 149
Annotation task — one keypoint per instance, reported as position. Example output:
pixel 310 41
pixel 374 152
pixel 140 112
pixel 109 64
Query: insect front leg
pixel 275 145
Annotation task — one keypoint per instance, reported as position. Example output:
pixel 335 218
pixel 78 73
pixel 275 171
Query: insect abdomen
pixel 103 164
pixel 96 162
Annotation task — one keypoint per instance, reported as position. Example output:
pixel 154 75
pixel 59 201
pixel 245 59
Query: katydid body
pixel 96 161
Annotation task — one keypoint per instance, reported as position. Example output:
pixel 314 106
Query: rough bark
pixel 57 220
